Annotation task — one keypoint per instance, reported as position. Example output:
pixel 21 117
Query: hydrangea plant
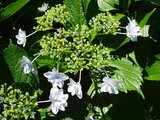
pixel 73 46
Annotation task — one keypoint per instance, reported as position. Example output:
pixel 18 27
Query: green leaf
pixel 91 91
pixel 11 9
pixel 133 56
pixel 107 5
pixel 130 75
pixel 156 2
pixel 45 61
pixel 46 112
pixel 146 18
pixel 154 70
pixel 85 4
pixel 12 56
pixel 75 8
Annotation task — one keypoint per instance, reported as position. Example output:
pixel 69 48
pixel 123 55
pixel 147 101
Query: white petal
pixel 48 75
pixel 54 109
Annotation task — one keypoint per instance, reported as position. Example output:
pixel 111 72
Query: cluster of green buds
pixel 104 23
pixel 55 14
pixel 17 105
pixel 74 45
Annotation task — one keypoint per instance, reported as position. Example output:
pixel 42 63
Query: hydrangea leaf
pixel 11 9
pixel 75 8
pixel 85 4
pixel 156 2
pixel 45 61
pixel 107 5
pixel 129 74
pixel 46 112
pixel 146 18
pixel 12 56
pixel 154 70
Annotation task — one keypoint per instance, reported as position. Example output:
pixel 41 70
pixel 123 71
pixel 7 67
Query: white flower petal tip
pixel 75 88
pixel 43 8
pixel 133 30
pixel 58 100
pixel 21 37
pixel 56 78
pixel 90 118
pixel 110 85
pixel 27 65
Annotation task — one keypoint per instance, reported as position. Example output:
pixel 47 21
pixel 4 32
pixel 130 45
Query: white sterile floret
pixel 75 88
pixel 58 100
pixel 90 118
pixel 21 37
pixel 27 64
pixel 133 30
pixel 43 8
pixel 110 85
pixel 56 78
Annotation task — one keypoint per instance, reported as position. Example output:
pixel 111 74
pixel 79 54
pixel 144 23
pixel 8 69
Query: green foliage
pixel 45 112
pixel 85 5
pixel 74 36
pixel 17 105
pixel 146 18
pixel 153 72
pixel 129 74
pixel 107 5
pixel 157 2
pixel 12 56
pixel 11 9
pixel 75 9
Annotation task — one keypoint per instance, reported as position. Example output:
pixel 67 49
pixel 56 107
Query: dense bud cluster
pixel 73 45
pixel 55 14
pixel 16 105
pixel 104 23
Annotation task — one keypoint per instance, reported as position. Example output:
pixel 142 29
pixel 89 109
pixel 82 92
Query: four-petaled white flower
pixel 75 88
pixel 44 7
pixel 56 78
pixel 110 85
pixel 27 64
pixel 21 37
pixel 58 100
pixel 133 30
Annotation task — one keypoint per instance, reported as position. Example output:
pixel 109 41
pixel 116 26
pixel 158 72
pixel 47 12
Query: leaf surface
pixel 75 8
pixel 129 74
pixel 13 56
pixel 11 9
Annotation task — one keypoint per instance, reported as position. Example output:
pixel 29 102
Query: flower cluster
pixel 17 105
pixel 55 14
pixel 104 23
pixel 74 46
pixel 57 98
